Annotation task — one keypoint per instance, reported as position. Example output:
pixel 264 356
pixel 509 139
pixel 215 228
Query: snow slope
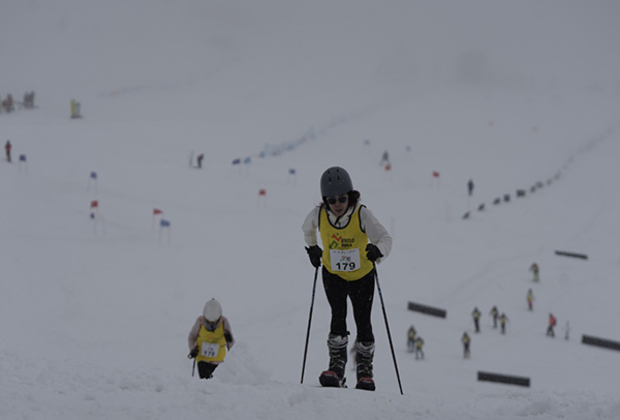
pixel 94 314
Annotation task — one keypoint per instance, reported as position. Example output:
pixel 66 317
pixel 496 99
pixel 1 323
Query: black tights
pixel 205 370
pixel 361 293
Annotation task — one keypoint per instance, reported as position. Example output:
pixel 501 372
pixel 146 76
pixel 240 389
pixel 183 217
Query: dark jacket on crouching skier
pixel 353 241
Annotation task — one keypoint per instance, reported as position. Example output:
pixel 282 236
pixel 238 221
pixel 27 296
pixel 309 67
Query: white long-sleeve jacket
pixel 377 234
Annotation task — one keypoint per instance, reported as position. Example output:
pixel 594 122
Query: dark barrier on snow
pixel 497 201
pixel 466 215
pixel 429 310
pixel 600 342
pixel 481 207
pixel 571 254
pixel 507 197
pixel 520 193
pixel 504 379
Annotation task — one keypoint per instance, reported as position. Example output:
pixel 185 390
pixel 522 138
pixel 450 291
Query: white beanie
pixel 212 310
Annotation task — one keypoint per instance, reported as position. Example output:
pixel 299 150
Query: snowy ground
pixel 94 314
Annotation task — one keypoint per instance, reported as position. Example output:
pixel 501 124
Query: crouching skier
pixel 354 241
pixel 209 339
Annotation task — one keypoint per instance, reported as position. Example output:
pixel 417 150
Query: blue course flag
pixel 236 161
pixel 164 223
pixel 93 175
pixel 292 171
pixel 22 158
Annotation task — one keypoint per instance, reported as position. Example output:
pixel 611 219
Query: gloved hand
pixel 373 253
pixel 228 337
pixel 192 354
pixel 315 253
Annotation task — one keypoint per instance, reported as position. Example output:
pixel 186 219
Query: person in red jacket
pixel 552 322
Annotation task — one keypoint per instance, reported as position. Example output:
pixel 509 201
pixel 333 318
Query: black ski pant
pixel 361 292
pixel 205 370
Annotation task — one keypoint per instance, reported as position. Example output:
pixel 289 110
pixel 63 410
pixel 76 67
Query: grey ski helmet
pixel 212 310
pixel 335 181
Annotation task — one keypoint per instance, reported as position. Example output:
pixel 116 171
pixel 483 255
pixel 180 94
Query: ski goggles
pixel 342 199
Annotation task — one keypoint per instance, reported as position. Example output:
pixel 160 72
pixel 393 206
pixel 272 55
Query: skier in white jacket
pixel 353 241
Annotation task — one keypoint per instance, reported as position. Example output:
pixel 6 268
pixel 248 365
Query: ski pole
pixel 303 367
pixel 387 327
pixel 193 356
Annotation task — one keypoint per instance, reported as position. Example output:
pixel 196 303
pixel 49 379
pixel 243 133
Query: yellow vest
pixel 211 344
pixel 347 247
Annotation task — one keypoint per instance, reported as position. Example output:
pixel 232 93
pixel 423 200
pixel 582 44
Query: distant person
pixel 495 314
pixel 534 269
pixel 465 340
pixel 419 353
pixel 476 315
pixel 8 103
pixel 411 339
pixel 28 100
pixel 470 187
pixel 7 149
pixel 209 339
pixel 385 160
pixel 530 299
pixel 199 159
pixel 502 322
pixel 552 322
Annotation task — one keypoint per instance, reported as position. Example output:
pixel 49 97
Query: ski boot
pixel 334 375
pixel 365 354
